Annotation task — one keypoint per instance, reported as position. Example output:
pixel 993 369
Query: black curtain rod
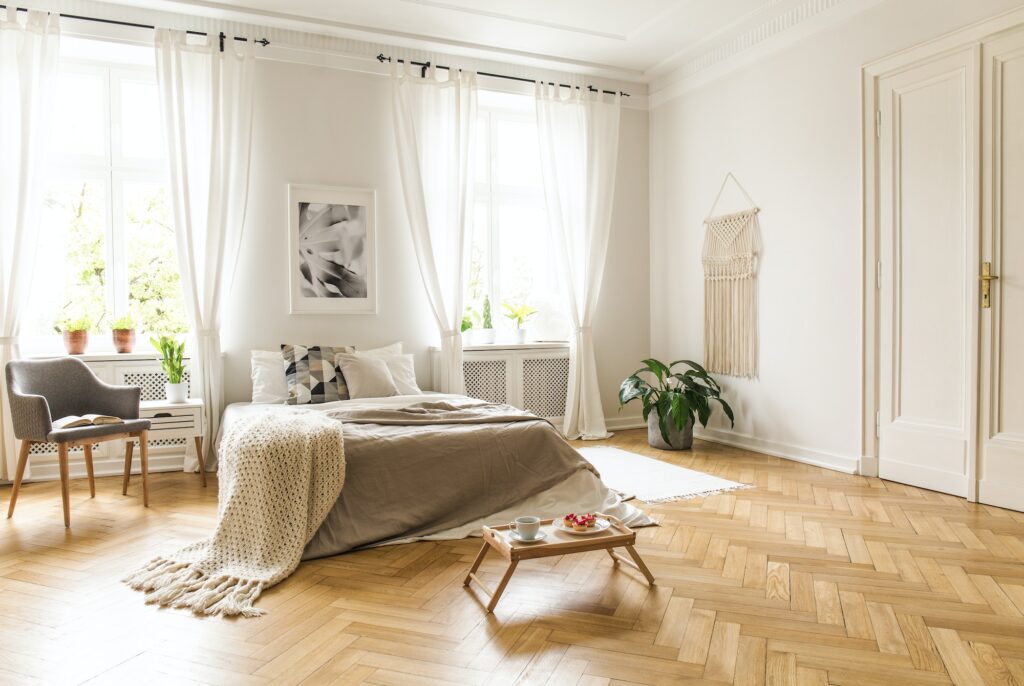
pixel 424 65
pixel 115 22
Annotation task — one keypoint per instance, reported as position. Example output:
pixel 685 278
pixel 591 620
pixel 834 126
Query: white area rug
pixel 652 481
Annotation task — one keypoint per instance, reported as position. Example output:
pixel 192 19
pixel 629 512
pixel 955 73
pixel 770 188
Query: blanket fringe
pixel 184 585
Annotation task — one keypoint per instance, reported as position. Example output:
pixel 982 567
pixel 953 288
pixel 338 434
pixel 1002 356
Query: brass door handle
pixel 986 277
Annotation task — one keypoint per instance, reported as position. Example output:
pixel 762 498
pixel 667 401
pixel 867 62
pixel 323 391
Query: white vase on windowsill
pixel 519 336
pixel 486 337
pixel 177 392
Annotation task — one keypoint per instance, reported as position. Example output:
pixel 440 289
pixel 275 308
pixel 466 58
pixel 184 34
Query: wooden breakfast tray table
pixel 558 542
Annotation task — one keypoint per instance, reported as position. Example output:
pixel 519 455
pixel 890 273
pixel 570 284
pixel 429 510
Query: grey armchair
pixel 41 390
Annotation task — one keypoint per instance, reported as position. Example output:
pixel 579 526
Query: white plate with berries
pixel 581 524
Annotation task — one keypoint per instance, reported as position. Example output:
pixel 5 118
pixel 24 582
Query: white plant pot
pixel 520 336
pixel 177 392
pixel 486 336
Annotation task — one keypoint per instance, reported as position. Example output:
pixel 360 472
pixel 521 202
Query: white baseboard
pixel 1001 494
pixel 108 466
pixel 869 465
pixel 818 458
pixel 840 463
pixel 623 423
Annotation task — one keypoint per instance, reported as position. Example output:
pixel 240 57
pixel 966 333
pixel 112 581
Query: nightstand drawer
pixel 170 421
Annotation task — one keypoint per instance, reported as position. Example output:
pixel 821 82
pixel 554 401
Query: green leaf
pixel 631 389
pixel 696 366
pixel 703 411
pixel 657 368
pixel 680 411
pixel 727 410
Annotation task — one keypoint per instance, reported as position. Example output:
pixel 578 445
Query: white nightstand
pixel 174 420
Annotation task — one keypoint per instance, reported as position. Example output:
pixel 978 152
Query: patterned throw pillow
pixel 311 375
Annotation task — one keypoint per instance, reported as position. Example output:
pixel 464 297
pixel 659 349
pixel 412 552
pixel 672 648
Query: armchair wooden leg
pixel 129 446
pixel 18 475
pixel 202 462
pixel 144 459
pixel 65 485
pixel 87 449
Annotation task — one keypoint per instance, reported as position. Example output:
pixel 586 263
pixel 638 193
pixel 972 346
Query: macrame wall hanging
pixel 731 247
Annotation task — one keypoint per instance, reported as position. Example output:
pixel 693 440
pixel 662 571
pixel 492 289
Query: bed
pixel 439 466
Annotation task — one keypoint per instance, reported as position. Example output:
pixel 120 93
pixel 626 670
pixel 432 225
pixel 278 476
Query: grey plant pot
pixel 679 440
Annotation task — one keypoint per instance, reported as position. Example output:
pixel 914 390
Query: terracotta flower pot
pixel 124 340
pixel 75 342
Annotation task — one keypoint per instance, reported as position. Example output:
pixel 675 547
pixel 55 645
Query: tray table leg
pixel 501 586
pixel 476 563
pixel 640 564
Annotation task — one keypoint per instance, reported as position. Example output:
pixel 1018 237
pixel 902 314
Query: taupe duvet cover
pixel 437 464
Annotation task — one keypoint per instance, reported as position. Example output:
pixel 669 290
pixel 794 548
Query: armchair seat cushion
pixel 81 432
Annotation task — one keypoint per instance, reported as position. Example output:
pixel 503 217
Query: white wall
pixel 789 127
pixel 326 126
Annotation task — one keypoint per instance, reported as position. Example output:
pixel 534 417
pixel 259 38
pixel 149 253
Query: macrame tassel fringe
pixel 183 585
pixel 730 294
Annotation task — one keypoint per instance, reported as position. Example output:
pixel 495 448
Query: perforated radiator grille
pixel 545 382
pixel 485 380
pixel 152 383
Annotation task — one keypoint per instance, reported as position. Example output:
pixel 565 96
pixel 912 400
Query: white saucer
pixel 599 526
pixel 514 535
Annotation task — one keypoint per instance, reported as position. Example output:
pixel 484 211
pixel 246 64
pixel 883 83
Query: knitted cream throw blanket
pixel 280 474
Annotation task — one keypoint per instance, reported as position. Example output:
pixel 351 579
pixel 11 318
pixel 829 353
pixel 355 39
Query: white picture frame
pixel 332 250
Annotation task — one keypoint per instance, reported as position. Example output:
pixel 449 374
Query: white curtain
pixel 435 124
pixel 579 147
pixel 28 75
pixel 207 101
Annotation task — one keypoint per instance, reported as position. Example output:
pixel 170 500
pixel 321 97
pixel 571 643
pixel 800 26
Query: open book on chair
pixel 73 421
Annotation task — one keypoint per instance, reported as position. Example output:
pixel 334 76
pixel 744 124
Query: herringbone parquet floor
pixel 812 577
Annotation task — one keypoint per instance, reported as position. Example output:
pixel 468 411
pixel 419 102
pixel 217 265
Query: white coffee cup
pixel 526 527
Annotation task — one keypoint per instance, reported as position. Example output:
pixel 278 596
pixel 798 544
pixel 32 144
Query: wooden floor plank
pixel 810 577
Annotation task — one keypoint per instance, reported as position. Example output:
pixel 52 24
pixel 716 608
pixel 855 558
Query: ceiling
pixel 631 39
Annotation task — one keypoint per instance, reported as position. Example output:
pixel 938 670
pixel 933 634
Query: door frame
pixel 872 73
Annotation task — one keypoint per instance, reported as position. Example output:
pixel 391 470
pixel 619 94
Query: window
pixel 106 245
pixel 510 262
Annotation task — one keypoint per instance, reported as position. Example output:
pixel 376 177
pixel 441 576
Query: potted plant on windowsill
pixel 75 333
pixel 519 314
pixel 172 355
pixel 123 333
pixel 487 328
pixel 673 401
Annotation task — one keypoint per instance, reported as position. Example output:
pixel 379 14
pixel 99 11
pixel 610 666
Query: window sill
pixel 110 356
pixel 545 345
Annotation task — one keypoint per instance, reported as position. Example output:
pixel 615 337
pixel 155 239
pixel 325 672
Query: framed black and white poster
pixel 332 254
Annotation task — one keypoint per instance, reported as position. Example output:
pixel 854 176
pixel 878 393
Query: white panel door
pixel 928 224
pixel 1001 417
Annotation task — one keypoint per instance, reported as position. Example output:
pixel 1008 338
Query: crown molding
pixel 772 35
pixel 213 10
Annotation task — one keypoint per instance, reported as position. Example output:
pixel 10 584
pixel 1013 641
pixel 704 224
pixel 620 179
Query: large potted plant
pixel 172 354
pixel 672 401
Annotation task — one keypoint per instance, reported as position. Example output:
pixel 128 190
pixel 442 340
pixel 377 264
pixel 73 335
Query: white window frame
pixel 114 170
pixel 494 194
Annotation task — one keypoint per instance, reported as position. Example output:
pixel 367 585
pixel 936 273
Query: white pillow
pixel 403 372
pixel 268 381
pixel 366 377
pixel 393 349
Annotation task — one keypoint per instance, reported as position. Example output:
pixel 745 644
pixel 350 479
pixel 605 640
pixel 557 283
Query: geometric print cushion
pixel 311 375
